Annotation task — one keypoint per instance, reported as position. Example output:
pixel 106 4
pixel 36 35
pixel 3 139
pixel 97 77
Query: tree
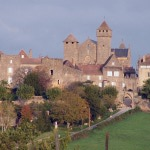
pixel 69 107
pixel 7 115
pixel 25 92
pixel 93 97
pixel 53 93
pixel 19 75
pixel 109 94
pixel 39 79
pixel 146 89
pixel 26 113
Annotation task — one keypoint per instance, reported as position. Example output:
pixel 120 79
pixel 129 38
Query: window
pixel 88 77
pixel 9 80
pixel 100 84
pixel 51 72
pixel 72 42
pixel 22 56
pixel 100 77
pixel 10 61
pixel 58 81
pixel 113 83
pixel 66 42
pixel 113 63
pixel 116 73
pixel 148 74
pixel 123 85
pixel 109 73
pixel 10 70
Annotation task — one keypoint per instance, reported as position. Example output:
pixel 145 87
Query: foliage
pixel 146 89
pixel 109 94
pixel 39 79
pixel 53 93
pixel 69 107
pixel 7 114
pixel 93 96
pixel 26 113
pixel 25 92
pixel 19 75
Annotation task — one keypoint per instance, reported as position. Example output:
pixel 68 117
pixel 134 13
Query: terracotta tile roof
pixel 70 38
pixel 22 52
pixel 31 61
pixel 91 69
pixel 104 26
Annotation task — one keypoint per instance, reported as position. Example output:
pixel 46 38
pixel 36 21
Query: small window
pixel 113 63
pixel 116 73
pixel 88 77
pixel 113 83
pixel 9 80
pixel 72 42
pixel 51 72
pixel 100 77
pixel 100 84
pixel 10 70
pixel 66 42
pixel 22 56
pixel 109 73
pixel 103 45
pixel 99 30
pixel 10 61
pixel 106 30
pixel 103 30
pixel 58 82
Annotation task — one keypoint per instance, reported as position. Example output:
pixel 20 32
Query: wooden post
pixel 106 141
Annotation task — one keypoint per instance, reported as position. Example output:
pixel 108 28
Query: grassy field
pixel 133 133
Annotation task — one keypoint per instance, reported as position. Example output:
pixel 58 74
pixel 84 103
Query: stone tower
pixel 71 49
pixel 104 34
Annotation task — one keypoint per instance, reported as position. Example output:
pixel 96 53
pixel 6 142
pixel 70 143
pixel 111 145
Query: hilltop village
pixel 94 61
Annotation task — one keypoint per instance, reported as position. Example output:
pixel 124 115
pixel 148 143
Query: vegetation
pixel 125 134
pixel 25 92
pixel 146 89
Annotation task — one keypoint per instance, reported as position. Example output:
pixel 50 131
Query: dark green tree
pixel 109 95
pixel 53 93
pixel 146 89
pixel 25 92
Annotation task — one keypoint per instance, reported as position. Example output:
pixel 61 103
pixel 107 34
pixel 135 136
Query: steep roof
pixel 104 26
pixel 91 69
pixel 70 38
pixel 120 52
pixel 22 52
pixel 122 46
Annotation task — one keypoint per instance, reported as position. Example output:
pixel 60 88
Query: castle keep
pixel 91 60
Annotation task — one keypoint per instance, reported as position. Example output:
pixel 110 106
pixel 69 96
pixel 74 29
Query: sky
pixel 42 25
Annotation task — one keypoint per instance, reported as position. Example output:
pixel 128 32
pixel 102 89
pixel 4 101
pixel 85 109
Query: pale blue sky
pixel 42 25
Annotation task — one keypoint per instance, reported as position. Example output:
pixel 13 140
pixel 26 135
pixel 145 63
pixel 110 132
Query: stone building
pixel 143 69
pixel 91 60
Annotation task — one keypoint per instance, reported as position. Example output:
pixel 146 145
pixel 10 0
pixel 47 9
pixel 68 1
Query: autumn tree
pixel 26 113
pixel 7 115
pixel 69 107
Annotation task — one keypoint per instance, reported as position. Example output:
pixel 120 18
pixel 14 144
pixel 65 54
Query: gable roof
pixel 104 26
pixel 112 62
pixel 120 52
pixel 22 52
pixel 70 38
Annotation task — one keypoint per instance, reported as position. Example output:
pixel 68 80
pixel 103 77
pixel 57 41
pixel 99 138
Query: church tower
pixel 104 34
pixel 71 49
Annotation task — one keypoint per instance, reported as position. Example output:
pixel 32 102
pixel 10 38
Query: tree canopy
pixel 146 89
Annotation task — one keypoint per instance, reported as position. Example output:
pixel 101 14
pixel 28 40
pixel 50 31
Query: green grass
pixel 133 133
